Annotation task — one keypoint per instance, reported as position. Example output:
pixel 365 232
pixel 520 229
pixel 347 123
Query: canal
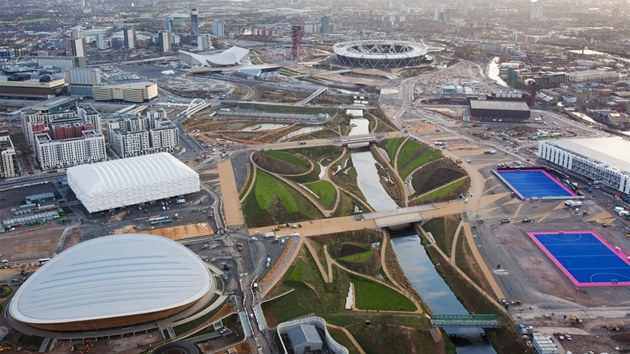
pixel 411 253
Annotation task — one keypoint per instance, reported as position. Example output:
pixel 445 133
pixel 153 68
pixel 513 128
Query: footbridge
pixel 459 321
pixel 312 96
pixel 398 217
pixel 363 139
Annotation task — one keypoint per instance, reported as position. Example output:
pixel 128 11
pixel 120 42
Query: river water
pixel 411 254
pixel 493 72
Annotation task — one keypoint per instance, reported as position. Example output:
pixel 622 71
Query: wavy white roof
pixel 232 56
pixel 109 277
pixel 118 183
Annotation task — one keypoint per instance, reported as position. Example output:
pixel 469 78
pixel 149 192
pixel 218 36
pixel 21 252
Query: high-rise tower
pixel 130 38
pixel 194 22
pixel 218 28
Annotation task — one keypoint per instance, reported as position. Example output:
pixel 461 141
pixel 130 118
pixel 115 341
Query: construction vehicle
pixel 4 349
pixel 611 327
pixel 574 317
pixel 239 246
pixel 458 161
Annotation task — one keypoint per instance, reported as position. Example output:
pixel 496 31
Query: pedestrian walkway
pixel 231 205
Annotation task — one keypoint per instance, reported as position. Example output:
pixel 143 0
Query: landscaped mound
pixel 281 162
pixel 434 175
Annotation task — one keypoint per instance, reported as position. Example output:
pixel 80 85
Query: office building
pixel 218 28
pixel 204 42
pixel 325 25
pixel 75 33
pixel 168 25
pixel 129 35
pixel 78 47
pixel 8 158
pixel 165 41
pixel 194 22
pixel 536 13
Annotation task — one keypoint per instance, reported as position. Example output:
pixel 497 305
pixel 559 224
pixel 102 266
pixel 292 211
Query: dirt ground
pixel 125 345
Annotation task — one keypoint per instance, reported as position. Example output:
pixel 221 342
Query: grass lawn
pixel 268 188
pixel 442 192
pixel 287 157
pixel 297 272
pixel 358 258
pixel 272 201
pixel 370 295
pixel 325 191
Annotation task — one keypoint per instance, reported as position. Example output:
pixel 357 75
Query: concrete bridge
pixel 461 321
pixel 361 140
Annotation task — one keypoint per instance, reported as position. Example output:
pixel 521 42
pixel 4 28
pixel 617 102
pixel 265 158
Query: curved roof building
pixel 229 57
pixel 379 53
pixel 119 183
pixel 112 281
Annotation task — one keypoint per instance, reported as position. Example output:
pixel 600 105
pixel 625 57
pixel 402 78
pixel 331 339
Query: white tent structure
pixel 119 183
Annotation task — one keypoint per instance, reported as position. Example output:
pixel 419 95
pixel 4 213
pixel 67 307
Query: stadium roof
pixel 118 183
pixel 232 56
pixel 499 105
pixel 109 277
pixel 613 151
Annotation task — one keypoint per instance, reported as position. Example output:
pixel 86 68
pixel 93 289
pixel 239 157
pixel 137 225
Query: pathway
pixel 350 337
pixel 229 192
pixel 326 276
pixel 401 183
pixel 251 177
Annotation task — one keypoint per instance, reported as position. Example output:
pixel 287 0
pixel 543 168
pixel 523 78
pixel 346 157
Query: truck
pixel 572 203
pixel 490 152
pixel 269 234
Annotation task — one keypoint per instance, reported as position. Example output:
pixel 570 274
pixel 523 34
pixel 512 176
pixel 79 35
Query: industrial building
pixel 304 339
pixel 604 161
pixel 130 181
pixel 499 111
pixel 110 282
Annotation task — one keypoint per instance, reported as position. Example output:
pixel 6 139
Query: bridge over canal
pixel 460 321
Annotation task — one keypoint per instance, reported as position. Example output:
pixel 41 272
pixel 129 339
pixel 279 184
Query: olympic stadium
pixel 112 285
pixel 380 53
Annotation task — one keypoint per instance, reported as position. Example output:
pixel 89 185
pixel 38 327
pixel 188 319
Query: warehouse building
pixel 499 111
pixel 130 181
pixel 108 285
pixel 32 88
pixel 600 160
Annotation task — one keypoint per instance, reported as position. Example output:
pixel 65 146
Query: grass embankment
pixel 391 146
pixel 448 192
pixel 388 178
pixel 288 158
pixel 347 205
pixel 346 178
pixel 354 250
pixel 465 261
pixel 383 126
pixel 413 155
pixel 325 191
pixel 443 231
pixel 272 201
pixel 324 154
pixel 340 337
pixel 434 175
